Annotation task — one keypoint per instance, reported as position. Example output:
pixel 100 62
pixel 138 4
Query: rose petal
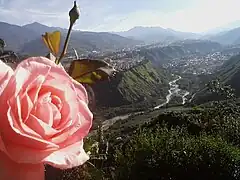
pixel 81 91
pixel 26 107
pixel 25 154
pixel 15 121
pixel 56 115
pixel 62 90
pixel 57 72
pixel 43 129
pixel 28 138
pixel 78 130
pixel 34 64
pixel 24 147
pixel 33 89
pixel 44 109
pixel 68 157
pixel 2 146
pixel 20 81
pixel 5 73
pixel 57 102
pixel 14 171
pixel 4 69
pixel 69 113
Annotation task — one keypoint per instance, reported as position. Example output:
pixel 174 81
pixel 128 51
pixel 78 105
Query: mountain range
pixel 156 34
pixel 226 27
pixel 27 39
pixel 226 35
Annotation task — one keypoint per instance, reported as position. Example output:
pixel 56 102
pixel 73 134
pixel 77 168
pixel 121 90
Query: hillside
pixel 228 74
pixel 16 36
pixel 83 42
pixel 226 27
pixel 27 39
pixel 41 28
pixel 198 46
pixel 161 55
pixel 156 34
pixel 182 143
pixel 227 37
pixel 143 82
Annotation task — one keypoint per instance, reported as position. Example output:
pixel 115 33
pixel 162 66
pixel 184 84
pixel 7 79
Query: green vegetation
pixel 137 83
pixel 227 75
pixel 174 154
pixel 194 143
pixel 141 83
pixel 198 46
pixel 193 83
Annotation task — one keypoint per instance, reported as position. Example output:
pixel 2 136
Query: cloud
pixel 206 15
pixel 27 11
pixel 116 15
pixel 200 16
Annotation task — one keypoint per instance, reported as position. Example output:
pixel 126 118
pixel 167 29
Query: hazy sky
pixel 117 15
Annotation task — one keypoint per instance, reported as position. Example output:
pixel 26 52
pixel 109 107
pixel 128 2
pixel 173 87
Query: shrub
pixel 229 129
pixel 174 154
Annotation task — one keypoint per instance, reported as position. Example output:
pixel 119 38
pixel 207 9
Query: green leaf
pixel 90 71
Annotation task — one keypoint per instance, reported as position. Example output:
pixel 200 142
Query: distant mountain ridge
pixel 156 34
pixel 228 34
pixel 15 36
pixel 41 28
pixel 224 28
pixel 228 37
pixel 27 39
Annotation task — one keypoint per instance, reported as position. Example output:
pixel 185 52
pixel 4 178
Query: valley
pixel 174 101
pixel 147 71
pixel 174 91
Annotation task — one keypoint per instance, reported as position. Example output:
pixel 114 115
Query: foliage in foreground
pixel 199 144
pixel 174 154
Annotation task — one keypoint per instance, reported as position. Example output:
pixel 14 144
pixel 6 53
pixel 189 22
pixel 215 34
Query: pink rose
pixel 44 115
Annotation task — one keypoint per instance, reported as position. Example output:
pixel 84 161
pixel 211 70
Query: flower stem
pixel 65 44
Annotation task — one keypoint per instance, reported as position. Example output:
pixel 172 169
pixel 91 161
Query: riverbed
pixel 173 91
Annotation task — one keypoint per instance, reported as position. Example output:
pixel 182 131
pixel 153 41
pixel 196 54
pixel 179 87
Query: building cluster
pixel 195 64
pixel 125 59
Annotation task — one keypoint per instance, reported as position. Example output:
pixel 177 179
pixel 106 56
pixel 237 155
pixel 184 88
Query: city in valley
pixel 161 103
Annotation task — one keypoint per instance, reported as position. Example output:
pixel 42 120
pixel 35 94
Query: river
pixel 173 91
